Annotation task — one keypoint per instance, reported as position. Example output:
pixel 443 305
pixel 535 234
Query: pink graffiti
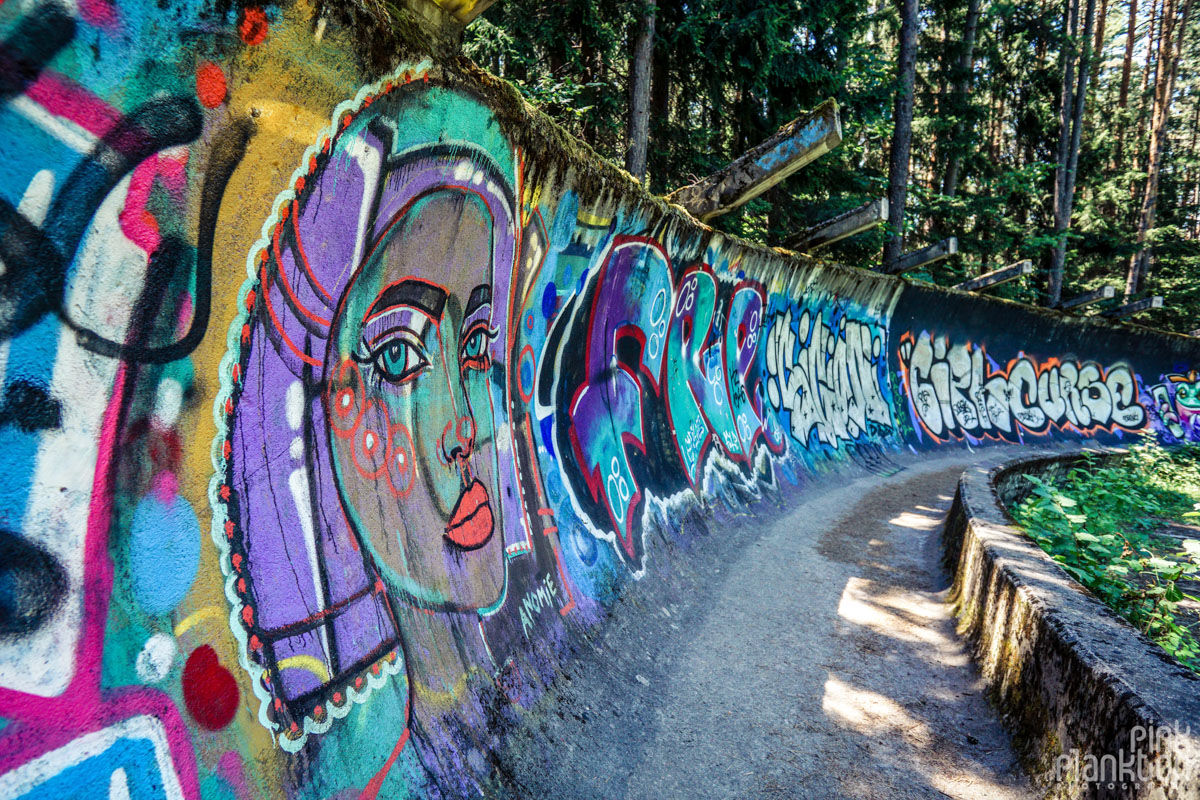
pixel 43 724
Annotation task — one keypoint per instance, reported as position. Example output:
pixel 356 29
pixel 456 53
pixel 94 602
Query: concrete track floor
pixel 814 657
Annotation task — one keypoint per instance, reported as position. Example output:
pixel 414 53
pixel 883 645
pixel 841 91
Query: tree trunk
pixel 1097 57
pixel 1173 26
pixel 1066 108
pixel 639 93
pixel 902 133
pixel 1190 182
pixel 1155 35
pixel 1098 43
pixel 1080 104
pixel 1123 95
pixel 1074 101
pixel 660 98
pixel 962 86
pixel 589 62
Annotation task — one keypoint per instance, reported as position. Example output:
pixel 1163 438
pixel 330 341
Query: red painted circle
pixel 209 690
pixel 401 469
pixel 344 402
pixel 252 25
pixel 210 84
pixel 370 446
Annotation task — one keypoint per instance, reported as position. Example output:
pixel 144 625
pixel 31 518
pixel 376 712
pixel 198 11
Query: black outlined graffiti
pixel 37 258
pixel 35 40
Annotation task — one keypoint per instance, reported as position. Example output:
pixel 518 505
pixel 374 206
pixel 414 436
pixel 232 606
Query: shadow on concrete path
pixel 809 656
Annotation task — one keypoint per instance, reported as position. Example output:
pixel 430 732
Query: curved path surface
pixel 813 656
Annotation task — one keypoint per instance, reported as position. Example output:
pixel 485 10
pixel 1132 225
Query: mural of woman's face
pixel 409 405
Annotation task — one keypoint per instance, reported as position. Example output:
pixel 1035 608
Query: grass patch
pixel 1129 533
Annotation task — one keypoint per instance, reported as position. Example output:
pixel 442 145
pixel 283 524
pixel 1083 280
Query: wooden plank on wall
pixel 1087 298
pixel 796 144
pixel 997 277
pixel 856 220
pixel 1136 307
pixel 935 252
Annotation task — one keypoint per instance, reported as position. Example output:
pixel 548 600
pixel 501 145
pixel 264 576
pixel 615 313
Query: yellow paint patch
pixel 286 120
pixel 310 663
pixel 196 617
pixel 593 219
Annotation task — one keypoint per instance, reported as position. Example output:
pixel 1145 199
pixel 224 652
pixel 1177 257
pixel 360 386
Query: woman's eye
pixel 398 361
pixel 474 349
pixel 475 344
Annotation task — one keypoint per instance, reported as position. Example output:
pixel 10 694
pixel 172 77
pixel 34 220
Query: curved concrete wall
pixel 339 404
pixel 1079 686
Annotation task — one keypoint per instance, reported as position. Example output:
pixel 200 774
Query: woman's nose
pixel 458 439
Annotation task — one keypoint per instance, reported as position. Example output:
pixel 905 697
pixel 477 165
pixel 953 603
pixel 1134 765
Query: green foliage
pixel 1100 525
pixel 728 73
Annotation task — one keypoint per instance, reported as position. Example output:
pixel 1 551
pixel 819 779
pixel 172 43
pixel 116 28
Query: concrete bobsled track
pixel 345 398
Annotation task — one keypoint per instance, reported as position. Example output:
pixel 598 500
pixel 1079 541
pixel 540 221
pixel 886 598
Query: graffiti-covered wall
pixel 338 402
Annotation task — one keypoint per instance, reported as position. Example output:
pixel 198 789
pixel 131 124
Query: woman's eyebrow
pixel 481 296
pixel 414 292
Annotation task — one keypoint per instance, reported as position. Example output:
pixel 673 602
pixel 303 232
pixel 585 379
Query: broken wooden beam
pixel 1087 298
pixel 919 258
pixel 800 142
pixel 996 277
pixel 856 220
pixel 1135 307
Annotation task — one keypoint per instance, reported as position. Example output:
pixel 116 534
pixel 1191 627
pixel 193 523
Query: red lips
pixel 471 523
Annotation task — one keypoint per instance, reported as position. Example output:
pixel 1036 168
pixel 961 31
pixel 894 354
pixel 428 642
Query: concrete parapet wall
pixel 1098 710
pixel 341 394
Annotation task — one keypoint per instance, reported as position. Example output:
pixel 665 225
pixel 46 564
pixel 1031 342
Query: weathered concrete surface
pixel 344 395
pixel 1078 682
pixel 813 656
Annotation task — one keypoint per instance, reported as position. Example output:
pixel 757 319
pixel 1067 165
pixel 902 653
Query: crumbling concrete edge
pixel 1095 707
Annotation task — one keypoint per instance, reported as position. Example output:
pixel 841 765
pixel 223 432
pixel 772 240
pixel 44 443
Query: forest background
pixel 1060 131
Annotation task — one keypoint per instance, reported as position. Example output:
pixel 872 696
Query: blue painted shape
pixel 549 300
pixel 92 777
pixel 164 552
pixel 566 216
pixel 31 358
pixel 585 545
pixel 788 149
pixel 527 376
pixel 546 424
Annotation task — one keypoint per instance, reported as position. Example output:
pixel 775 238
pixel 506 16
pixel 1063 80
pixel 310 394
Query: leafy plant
pixel 1101 525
